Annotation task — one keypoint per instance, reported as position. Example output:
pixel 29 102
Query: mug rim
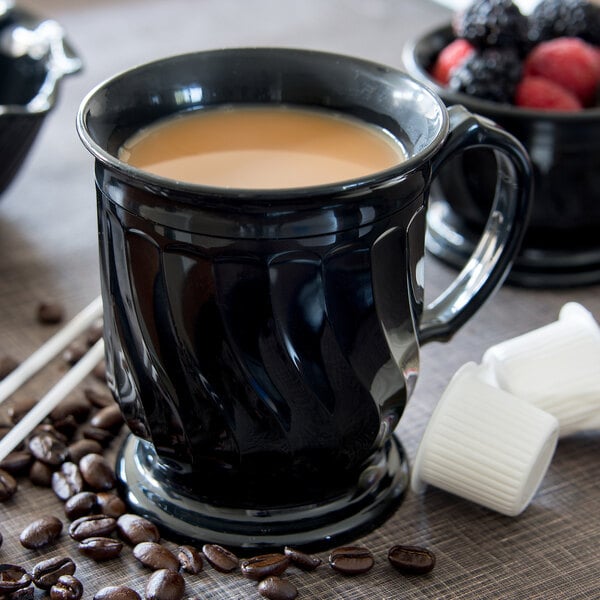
pixel 377 179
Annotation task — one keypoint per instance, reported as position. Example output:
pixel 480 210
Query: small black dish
pixel 34 57
pixel 562 243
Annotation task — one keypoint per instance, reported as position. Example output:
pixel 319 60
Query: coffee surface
pixel 262 147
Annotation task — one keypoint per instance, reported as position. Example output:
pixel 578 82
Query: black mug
pixel 262 344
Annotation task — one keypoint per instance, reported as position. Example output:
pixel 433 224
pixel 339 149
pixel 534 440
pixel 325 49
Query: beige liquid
pixel 261 147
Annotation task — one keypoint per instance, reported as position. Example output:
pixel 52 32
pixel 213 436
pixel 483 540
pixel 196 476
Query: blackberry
pixel 494 23
pixel 571 18
pixel 491 74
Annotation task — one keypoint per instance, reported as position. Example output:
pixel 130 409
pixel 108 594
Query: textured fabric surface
pixel 48 250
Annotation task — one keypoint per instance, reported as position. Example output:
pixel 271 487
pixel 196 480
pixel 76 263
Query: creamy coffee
pixel 262 147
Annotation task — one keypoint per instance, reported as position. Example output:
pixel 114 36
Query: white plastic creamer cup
pixel 555 367
pixel 485 445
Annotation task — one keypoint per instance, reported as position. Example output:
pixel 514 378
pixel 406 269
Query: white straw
pixel 45 353
pixel 46 404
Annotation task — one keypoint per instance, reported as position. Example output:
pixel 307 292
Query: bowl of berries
pixel 537 75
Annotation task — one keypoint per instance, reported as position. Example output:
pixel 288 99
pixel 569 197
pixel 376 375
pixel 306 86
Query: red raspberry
pixel 543 94
pixel 569 62
pixel 452 56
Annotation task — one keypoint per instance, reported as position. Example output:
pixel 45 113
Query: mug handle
pixel 490 262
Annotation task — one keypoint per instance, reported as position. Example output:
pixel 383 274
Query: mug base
pixel 379 491
pixel 452 241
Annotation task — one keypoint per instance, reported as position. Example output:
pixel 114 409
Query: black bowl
pixel 34 56
pixel 562 243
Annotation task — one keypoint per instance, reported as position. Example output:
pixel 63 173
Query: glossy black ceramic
pixel 29 78
pixel 263 344
pixel 562 243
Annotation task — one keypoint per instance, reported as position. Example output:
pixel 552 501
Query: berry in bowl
pixel 538 76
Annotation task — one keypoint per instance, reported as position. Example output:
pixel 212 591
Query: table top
pixel 48 251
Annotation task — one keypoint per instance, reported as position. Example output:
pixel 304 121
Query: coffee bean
pixel 75 405
pixel 100 548
pixel 306 562
pixel 275 588
pixel 13 578
pixel 48 449
pixel 50 313
pixel 47 428
pixel 4 429
pixel 20 407
pixel 67 426
pixel 77 450
pixel 8 485
pixel 351 560
pixel 92 526
pixel 41 532
pixel 40 474
pixel 46 573
pixel 154 556
pixel 265 565
pixel 66 588
pixel 109 417
pixel 7 365
pixel 99 371
pixel 80 505
pixel 27 593
pixel 134 529
pixel 411 559
pixel 190 559
pixel 67 482
pixel 74 352
pixel 102 436
pixel 110 504
pixel 97 473
pixel 165 584
pixel 17 462
pixel 220 558
pixel 116 592
pixel 99 398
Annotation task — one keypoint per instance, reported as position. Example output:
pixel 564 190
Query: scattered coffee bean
pixel 116 592
pixel 92 526
pixel 155 557
pixel 40 474
pixel 7 365
pixel 265 565
pixel 8 485
pixel 134 529
pixel 220 558
pixel 109 417
pixel 165 584
pixel 20 407
pixel 351 560
pixel 99 371
pixel 100 548
pixel 27 593
pixel 275 588
pixel 66 588
pixel 67 482
pixel 99 398
pixel 80 505
pixel 41 532
pixel 46 573
pixel 102 436
pixel 16 462
pixel 48 449
pixel 76 405
pixel 306 562
pixel 110 504
pixel 77 450
pixel 190 559
pixel 411 559
pixel 50 313
pixel 47 428
pixel 74 352
pixel 97 473
pixel 13 578
pixel 67 426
